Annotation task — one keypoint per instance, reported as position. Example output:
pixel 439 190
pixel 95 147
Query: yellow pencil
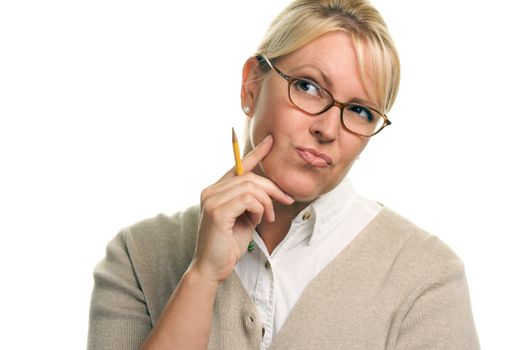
pixel 239 170
pixel 236 149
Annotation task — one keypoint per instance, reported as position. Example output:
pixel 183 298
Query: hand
pixel 230 211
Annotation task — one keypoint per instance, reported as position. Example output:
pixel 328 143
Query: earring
pixel 246 109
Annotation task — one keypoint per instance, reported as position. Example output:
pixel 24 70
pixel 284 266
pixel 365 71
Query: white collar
pixel 317 218
pixel 328 208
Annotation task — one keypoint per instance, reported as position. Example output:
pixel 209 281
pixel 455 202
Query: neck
pixel 272 233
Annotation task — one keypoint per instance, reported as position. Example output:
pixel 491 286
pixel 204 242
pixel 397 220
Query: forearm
pixel 230 210
pixel 186 321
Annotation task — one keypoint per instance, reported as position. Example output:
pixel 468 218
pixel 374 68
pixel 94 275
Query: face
pixel 310 154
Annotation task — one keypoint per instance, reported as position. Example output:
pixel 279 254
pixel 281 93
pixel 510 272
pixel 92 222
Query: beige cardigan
pixel 393 287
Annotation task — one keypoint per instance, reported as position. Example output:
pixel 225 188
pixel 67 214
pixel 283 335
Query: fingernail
pixel 289 198
pixel 267 138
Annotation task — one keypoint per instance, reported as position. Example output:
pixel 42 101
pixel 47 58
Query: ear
pixel 250 84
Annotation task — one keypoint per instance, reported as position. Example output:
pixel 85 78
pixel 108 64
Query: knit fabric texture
pixel 393 287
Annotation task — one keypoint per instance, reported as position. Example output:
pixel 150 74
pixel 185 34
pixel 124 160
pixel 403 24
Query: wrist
pixel 196 278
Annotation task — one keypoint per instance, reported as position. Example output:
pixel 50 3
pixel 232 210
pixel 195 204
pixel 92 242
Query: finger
pixel 255 210
pixel 254 157
pixel 234 211
pixel 264 189
pixel 239 189
pixel 270 188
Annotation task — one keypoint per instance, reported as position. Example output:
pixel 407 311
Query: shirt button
pixel 263 332
pixel 267 265
pixel 306 216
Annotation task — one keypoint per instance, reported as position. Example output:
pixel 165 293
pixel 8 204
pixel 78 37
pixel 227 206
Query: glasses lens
pixel 362 120
pixel 309 96
pixel 313 99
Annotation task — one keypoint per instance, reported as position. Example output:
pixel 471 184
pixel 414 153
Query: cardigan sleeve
pixel 119 318
pixel 440 316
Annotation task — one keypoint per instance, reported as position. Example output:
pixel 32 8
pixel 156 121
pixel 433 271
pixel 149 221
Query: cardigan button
pixel 250 321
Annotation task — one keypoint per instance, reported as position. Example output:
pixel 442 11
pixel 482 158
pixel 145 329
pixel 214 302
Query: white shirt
pixel 317 234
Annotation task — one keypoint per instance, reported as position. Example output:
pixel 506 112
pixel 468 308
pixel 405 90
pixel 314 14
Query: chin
pixel 302 189
pixel 302 183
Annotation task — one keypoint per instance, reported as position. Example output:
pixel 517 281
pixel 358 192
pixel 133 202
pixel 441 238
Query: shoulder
pixel 426 281
pixel 155 233
pixel 410 249
pixel 163 241
pixel 157 252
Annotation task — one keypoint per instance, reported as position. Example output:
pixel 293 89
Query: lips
pixel 313 157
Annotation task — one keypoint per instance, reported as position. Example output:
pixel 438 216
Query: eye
pixel 361 112
pixel 308 87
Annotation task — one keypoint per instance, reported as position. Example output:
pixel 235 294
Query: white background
pixel 113 111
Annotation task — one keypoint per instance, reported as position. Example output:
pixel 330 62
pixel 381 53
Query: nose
pixel 326 126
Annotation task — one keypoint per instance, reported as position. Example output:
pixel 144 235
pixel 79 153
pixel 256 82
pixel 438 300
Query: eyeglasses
pixel 313 99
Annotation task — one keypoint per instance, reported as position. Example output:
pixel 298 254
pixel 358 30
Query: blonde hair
pixel 305 20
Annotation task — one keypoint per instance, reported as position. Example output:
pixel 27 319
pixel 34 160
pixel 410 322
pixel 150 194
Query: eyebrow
pixel 365 103
pixel 328 83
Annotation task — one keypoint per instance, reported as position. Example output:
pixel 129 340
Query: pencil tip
pixel 234 139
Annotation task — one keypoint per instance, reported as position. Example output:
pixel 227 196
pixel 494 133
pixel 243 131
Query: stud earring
pixel 246 109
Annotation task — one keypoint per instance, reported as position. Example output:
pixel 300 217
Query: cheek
pixel 351 150
pixel 268 118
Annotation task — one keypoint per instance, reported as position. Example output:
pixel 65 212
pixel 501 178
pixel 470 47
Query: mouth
pixel 314 158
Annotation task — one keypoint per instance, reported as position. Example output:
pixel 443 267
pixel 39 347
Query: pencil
pixel 237 159
pixel 239 170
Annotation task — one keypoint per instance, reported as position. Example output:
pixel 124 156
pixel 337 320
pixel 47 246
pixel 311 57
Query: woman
pixel 329 269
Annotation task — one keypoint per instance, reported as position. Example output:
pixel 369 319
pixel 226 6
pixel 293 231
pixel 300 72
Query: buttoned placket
pixel 317 234
pixel 264 296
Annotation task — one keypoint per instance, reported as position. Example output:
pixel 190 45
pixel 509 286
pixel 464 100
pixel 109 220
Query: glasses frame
pixel 341 105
